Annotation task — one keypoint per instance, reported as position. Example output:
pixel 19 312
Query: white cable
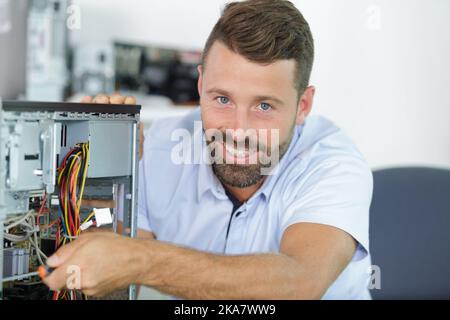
pixel 26 221
pixel 39 252
pixel 35 243
pixel 19 221
pixel 15 238
pixel 70 237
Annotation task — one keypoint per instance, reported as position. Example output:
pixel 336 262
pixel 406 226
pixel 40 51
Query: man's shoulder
pixel 320 139
pixel 160 173
pixel 325 151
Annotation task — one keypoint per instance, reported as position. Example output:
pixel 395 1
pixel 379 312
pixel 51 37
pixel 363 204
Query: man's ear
pixel 200 80
pixel 305 104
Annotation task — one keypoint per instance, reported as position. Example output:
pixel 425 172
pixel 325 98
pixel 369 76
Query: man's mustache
pixel 247 143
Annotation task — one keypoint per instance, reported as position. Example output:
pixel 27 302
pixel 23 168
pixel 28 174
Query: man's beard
pixel 246 175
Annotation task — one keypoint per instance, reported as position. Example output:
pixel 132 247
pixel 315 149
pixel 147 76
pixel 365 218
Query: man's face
pixel 238 96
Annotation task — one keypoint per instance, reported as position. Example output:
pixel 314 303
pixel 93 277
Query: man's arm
pixel 311 258
pixel 140 233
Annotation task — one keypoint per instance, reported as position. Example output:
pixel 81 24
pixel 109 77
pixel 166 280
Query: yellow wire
pixel 89 217
pixel 59 176
pixel 77 209
pixel 86 149
pixel 65 216
pixel 66 196
pixel 85 154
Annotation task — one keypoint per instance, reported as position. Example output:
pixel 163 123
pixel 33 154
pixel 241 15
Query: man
pixel 225 230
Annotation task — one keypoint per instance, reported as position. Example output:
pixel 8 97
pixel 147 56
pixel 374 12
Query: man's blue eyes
pixel 224 100
pixel 264 106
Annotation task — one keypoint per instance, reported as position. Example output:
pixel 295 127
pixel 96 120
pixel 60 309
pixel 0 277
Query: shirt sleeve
pixel 336 193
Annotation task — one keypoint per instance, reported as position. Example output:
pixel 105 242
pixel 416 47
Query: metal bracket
pixel 48 138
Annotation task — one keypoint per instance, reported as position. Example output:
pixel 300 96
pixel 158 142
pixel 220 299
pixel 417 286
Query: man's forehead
pixel 220 53
pixel 226 69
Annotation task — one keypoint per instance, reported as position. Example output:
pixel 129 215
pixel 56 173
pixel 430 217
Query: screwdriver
pixel 45 271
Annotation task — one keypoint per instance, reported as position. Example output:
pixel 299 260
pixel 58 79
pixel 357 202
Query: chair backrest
pixel 410 233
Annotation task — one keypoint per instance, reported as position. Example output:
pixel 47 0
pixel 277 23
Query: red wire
pixel 73 200
pixel 70 219
pixel 41 209
pixel 63 163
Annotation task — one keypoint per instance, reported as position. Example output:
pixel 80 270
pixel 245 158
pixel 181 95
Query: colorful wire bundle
pixel 71 181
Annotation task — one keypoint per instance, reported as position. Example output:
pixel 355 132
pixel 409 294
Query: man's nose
pixel 241 119
pixel 240 126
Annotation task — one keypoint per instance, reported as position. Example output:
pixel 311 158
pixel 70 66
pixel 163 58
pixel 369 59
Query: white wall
pixel 382 67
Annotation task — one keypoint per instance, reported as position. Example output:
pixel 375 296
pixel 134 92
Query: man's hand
pixel 116 98
pixel 106 262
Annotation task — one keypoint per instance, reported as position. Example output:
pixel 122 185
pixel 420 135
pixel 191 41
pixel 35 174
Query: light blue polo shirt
pixel 322 179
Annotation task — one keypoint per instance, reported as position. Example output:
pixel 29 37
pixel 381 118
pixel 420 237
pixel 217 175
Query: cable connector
pixel 103 216
pixel 86 225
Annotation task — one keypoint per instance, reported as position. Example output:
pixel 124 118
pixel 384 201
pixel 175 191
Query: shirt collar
pixel 269 183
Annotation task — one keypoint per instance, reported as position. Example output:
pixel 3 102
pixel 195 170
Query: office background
pixel 381 68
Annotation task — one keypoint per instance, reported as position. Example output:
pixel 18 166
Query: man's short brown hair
pixel 264 31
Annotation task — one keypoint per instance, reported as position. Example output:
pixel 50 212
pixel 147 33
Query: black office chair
pixel 410 233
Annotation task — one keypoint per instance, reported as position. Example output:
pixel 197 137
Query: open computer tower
pixel 57 161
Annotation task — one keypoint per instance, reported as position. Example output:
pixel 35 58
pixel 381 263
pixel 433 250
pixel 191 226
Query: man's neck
pixel 243 194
